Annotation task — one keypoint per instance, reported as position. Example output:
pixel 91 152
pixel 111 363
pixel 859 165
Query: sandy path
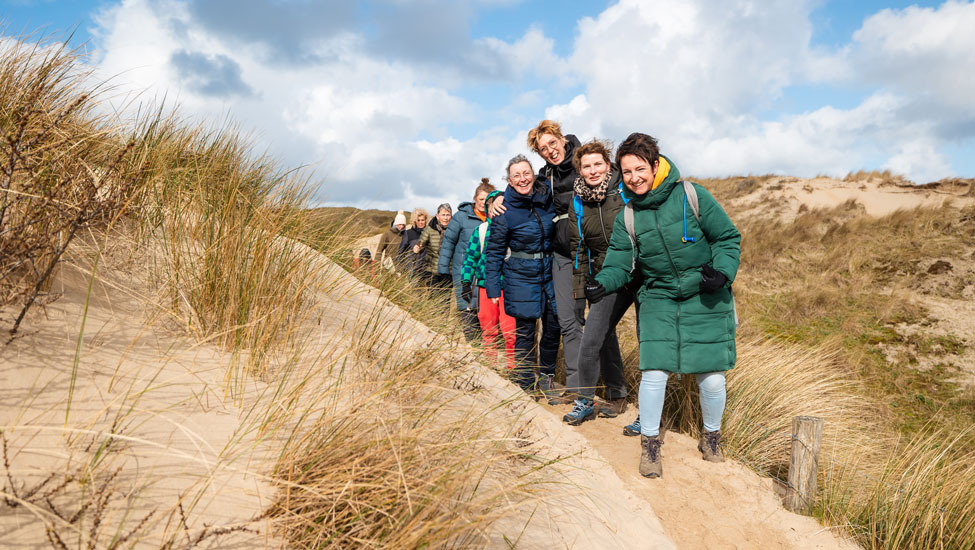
pixel 704 505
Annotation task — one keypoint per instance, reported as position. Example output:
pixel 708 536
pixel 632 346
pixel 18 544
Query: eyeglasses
pixel 549 148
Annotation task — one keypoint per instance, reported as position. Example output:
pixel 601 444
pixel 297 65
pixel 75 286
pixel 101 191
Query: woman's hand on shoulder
pixel 497 207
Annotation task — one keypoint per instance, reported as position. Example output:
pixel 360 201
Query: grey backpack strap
pixel 691 194
pixel 628 222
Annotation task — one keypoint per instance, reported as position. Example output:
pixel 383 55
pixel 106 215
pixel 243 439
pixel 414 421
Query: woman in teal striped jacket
pixel 490 315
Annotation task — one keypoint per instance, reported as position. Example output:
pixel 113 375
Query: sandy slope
pixel 183 441
pixel 180 440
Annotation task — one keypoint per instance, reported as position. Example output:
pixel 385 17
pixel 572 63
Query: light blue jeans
pixel 652 387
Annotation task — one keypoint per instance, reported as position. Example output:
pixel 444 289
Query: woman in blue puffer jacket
pixel 526 229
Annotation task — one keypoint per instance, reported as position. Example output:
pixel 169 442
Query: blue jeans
pixel 653 385
pixel 600 352
pixel 548 346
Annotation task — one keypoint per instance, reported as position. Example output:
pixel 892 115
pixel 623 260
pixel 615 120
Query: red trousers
pixel 491 317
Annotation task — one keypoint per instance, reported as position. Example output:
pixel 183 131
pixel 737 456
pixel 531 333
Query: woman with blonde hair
pixel 409 261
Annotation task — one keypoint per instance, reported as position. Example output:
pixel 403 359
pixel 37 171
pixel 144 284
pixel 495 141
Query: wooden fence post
pixel 807 435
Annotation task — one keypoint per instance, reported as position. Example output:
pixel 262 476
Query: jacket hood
pixel 467 208
pixel 656 197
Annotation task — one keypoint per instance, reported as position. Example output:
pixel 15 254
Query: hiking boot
pixel 710 446
pixel 612 408
pixel 583 410
pixel 547 388
pixel 632 428
pixel 650 464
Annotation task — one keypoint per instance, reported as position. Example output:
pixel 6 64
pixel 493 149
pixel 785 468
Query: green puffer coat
pixel 681 329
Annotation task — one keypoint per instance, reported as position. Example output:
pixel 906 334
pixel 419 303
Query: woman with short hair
pixel 686 250
pixel 596 201
pixel 429 244
pixel 559 174
pixel 519 261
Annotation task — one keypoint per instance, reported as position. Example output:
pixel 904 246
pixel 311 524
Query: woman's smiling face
pixel 521 178
pixel 637 174
pixel 593 168
pixel 552 149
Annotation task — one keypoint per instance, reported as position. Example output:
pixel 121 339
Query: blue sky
pixel 396 103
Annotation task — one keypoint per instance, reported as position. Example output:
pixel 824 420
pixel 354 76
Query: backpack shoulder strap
pixel 691 195
pixel 628 222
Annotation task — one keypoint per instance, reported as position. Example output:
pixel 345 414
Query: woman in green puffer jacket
pixel 686 310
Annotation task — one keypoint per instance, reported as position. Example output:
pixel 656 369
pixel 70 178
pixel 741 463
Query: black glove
pixel 595 292
pixel 466 292
pixel 711 279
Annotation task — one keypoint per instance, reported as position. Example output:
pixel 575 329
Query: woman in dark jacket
pixel 409 261
pixel 596 201
pixel 526 229
pixel 559 175
pixel 686 255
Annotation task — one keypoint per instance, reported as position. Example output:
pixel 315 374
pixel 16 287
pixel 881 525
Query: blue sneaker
pixel 583 409
pixel 632 428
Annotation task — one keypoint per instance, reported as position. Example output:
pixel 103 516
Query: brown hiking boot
pixel 710 446
pixel 612 408
pixel 650 465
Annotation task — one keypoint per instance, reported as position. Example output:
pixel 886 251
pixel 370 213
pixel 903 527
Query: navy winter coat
pixel 526 227
pixel 453 247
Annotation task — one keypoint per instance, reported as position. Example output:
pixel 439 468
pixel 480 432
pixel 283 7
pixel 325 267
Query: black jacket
pixel 559 179
pixel 410 262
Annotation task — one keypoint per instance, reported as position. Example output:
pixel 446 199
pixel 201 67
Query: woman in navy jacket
pixel 526 229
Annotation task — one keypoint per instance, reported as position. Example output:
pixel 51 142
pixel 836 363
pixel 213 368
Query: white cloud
pixel 360 121
pixel 929 51
pixel 701 75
